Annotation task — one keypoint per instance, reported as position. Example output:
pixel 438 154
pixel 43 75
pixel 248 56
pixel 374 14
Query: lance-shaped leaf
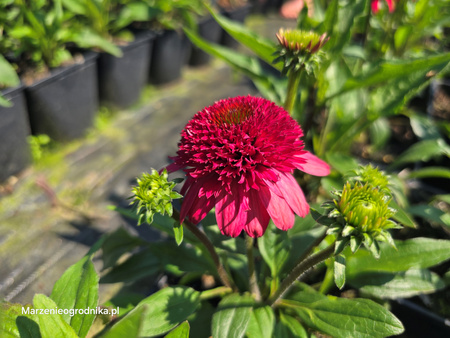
pixel 339 317
pixel 232 316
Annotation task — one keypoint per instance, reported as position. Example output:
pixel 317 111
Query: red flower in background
pixel 375 7
pixel 239 155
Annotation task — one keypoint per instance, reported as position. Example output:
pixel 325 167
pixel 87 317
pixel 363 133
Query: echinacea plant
pixel 238 156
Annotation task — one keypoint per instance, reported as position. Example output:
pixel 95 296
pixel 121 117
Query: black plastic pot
pixel 211 31
pixel 63 105
pixel 121 80
pixel 239 15
pixel 14 128
pixel 167 57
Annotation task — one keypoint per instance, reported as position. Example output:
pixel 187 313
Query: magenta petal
pixel 229 214
pixel 257 216
pixel 200 209
pixel 313 165
pixel 374 5
pixel 190 198
pixel 278 209
pixel 293 194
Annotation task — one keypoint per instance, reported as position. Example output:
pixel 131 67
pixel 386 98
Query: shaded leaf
pixel 289 327
pixel 430 213
pixel 423 151
pixel 412 253
pixel 116 244
pixel 274 247
pixel 397 285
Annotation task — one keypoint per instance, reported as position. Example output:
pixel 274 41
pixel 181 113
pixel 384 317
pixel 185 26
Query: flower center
pixel 230 116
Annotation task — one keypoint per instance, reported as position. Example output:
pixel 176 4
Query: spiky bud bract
pixel 153 194
pixel 299 49
pixel 360 213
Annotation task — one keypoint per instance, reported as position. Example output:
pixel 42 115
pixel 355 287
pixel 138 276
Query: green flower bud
pixel 372 176
pixel 298 49
pixel 360 215
pixel 365 208
pixel 153 194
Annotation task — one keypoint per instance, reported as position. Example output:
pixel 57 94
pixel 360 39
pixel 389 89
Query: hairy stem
pixel 254 289
pixel 301 268
pixel 210 247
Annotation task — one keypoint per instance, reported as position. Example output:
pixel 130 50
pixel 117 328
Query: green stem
pixel 328 280
pixel 216 292
pixel 253 282
pixel 367 23
pixel 293 82
pixel 301 268
pixel 226 280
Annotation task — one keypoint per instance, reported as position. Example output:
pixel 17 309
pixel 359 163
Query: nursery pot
pixel 167 57
pixel 121 80
pixel 14 129
pixel 63 105
pixel 239 15
pixel 211 31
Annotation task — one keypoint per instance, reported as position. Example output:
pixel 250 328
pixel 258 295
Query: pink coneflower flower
pixel 239 155
pixel 375 6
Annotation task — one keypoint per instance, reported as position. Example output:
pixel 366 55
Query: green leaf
pixel 27 327
pixel 342 163
pixel 261 323
pixel 423 151
pixel 166 309
pixel 401 215
pixel 441 172
pixel 116 244
pixel 142 264
pixel 8 76
pixel 181 331
pixel 380 132
pixel 339 271
pixel 178 233
pixel 78 289
pixel 340 317
pixel 397 285
pixel 232 316
pixel 262 47
pixel 344 24
pixel 412 253
pixel 274 247
pixel 392 70
pixel 430 213
pixel 8 318
pixel 129 326
pixel 87 38
pixel 249 66
pixel 51 324
pixel 289 327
